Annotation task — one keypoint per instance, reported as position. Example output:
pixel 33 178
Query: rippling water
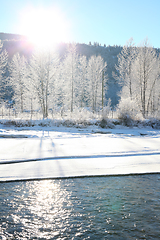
pixel 126 207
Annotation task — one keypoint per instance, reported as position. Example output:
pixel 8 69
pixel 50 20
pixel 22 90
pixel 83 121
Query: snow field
pixel 69 152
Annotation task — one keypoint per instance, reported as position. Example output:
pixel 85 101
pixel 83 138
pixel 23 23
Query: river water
pixel 120 207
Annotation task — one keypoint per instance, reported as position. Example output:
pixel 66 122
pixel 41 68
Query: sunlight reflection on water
pixel 81 208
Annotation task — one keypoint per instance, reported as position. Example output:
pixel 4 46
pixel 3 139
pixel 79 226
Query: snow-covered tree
pixel 60 89
pixel 3 65
pixel 96 66
pixel 138 70
pixel 18 80
pixel 124 67
pixel 154 97
pixel 70 74
pixel 42 76
pixel 146 74
pixel 82 83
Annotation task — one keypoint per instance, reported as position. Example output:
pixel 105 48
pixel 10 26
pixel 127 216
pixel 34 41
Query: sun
pixel 44 27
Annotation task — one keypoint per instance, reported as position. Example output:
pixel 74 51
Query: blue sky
pixel 105 21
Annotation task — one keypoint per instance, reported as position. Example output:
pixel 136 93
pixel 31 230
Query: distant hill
pixel 17 43
pixel 10 36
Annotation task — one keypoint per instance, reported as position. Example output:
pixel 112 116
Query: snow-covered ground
pixel 55 152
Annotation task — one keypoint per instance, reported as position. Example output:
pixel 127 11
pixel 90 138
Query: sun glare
pixel 44 27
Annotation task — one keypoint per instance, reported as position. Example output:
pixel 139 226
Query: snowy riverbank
pixel 55 152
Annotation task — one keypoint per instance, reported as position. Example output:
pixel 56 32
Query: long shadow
pixel 58 164
pixel 79 157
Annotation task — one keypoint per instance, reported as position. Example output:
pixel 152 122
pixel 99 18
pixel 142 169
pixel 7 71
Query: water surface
pixel 125 207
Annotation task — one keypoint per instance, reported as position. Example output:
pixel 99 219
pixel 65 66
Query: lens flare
pixel 44 27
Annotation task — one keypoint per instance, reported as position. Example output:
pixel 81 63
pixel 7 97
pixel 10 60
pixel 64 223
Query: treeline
pixel 108 53
pixel 48 80
pixel 44 81
pixel 138 72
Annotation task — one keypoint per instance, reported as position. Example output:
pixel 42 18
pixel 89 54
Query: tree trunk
pixel 102 90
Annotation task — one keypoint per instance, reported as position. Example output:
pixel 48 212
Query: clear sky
pixel 105 21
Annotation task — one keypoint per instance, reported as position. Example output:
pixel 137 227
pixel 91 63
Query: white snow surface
pixel 59 152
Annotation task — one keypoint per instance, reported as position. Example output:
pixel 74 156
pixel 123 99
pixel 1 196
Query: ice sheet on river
pixel 59 153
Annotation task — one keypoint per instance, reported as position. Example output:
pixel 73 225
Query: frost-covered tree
pixel 96 66
pixel 139 72
pixel 70 74
pixel 124 67
pixel 60 90
pixel 146 74
pixel 42 76
pixel 154 97
pixel 82 83
pixel 3 65
pixel 18 80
